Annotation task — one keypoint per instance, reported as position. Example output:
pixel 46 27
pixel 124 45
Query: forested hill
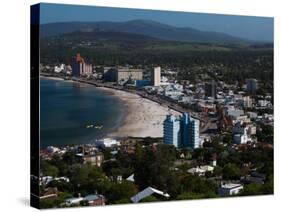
pixel 142 27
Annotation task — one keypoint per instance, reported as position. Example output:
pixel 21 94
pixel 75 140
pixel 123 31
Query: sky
pixel 248 27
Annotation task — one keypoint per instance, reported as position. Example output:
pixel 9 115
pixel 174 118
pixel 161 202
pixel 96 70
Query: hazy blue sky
pixel 249 27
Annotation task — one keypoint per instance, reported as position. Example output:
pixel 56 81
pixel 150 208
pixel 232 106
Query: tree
pixel 55 201
pixel 150 198
pixel 121 191
pixel 268 187
pixel 196 184
pixel 252 189
pixel 61 185
pixel 231 172
pixel 228 139
pixel 48 169
pixel 217 171
pixel 190 195
pixel 85 178
pixel 154 169
pixel 107 154
pixel 138 153
pixel 69 158
pixel 266 134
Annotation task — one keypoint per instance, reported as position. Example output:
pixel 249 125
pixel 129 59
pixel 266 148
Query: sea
pixel 69 112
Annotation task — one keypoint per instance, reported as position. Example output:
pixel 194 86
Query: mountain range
pixel 143 28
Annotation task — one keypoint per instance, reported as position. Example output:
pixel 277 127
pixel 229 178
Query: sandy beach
pixel 144 117
pixel 52 78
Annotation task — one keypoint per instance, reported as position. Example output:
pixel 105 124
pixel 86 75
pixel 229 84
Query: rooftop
pixel 231 185
pixel 92 197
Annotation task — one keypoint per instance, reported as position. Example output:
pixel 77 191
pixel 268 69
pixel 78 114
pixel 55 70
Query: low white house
pixel 196 170
pixel 200 171
pixel 230 189
pixel 107 142
pixel 207 168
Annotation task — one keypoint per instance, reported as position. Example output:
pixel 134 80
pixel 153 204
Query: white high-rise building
pixel 156 76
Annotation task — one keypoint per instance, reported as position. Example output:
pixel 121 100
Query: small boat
pixel 89 126
pixel 98 127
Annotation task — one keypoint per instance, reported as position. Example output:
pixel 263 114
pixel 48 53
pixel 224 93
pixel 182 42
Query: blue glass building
pixel 182 132
pixel 172 135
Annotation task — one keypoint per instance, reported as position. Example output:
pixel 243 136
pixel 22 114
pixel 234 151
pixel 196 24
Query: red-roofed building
pixel 79 67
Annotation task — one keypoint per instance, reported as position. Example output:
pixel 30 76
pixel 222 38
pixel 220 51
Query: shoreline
pixel 51 77
pixel 142 117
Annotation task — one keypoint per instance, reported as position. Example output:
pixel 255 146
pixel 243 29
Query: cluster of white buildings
pixel 200 170
pixel 62 68
pixel 169 90
pixel 243 132
pixel 106 143
pixel 56 150
pixel 48 179
pixel 206 95
pixel 173 91
pixel 59 69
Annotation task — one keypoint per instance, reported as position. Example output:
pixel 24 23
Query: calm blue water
pixel 67 107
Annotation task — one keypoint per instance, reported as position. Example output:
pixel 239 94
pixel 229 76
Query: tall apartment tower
pixel 172 135
pixel 79 67
pixel 182 132
pixel 190 132
pixel 252 85
pixel 211 89
pixel 156 76
pixel 194 140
